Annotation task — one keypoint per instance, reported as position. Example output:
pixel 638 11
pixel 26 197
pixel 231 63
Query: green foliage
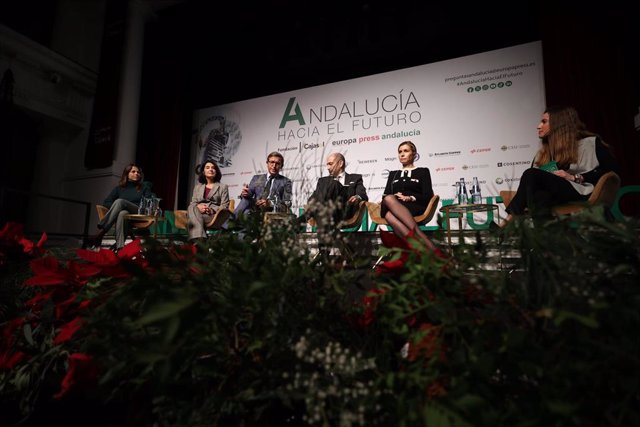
pixel 252 330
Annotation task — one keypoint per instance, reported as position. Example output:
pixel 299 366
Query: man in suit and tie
pixel 346 190
pixel 266 189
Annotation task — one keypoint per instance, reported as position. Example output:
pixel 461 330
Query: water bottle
pixel 464 196
pixel 149 209
pixel 141 206
pixel 156 207
pixel 476 196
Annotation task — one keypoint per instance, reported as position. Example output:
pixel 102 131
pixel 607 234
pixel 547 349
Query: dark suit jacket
pixel 353 186
pixel 281 186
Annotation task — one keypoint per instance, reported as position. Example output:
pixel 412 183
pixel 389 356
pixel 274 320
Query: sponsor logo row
pixel 384 175
pixel 301 146
pixel 436 169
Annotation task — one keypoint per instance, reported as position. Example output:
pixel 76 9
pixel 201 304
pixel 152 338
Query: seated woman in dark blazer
pixel 208 196
pixel 407 194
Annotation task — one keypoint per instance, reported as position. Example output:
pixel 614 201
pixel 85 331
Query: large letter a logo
pixel 288 116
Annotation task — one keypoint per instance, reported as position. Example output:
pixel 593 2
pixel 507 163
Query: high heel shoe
pixel 95 240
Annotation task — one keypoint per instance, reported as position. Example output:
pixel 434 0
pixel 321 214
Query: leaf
pixel 22 379
pixel 589 322
pixel 470 402
pixel 256 286
pixel 255 345
pixel 173 325
pixel 151 358
pixel 28 335
pixel 163 310
pixel 112 372
pixel 441 416
pixel 563 408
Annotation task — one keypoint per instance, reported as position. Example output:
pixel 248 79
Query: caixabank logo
pixel 471 167
pixel 515 147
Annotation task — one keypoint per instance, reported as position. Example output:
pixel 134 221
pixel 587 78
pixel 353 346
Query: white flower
pixel 404 351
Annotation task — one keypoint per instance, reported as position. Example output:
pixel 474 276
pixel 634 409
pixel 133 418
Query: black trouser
pixel 338 194
pixel 539 191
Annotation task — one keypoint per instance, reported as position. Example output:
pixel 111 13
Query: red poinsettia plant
pixel 14 245
pixel 54 315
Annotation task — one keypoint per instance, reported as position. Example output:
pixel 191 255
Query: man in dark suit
pixel 346 190
pixel 265 190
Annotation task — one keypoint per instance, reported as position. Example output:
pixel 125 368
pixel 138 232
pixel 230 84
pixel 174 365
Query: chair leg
pixel 346 251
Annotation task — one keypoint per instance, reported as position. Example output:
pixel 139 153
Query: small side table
pixel 144 221
pixel 279 218
pixel 463 210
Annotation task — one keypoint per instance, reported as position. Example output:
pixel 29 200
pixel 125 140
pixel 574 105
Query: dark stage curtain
pixel 162 112
pixel 101 143
pixel 589 64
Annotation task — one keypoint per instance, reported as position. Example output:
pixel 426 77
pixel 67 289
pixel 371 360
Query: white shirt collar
pixel 408 172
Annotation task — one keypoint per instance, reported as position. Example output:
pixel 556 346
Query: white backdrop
pixel 474 116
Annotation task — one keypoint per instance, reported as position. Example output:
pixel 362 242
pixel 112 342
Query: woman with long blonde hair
pixel 568 164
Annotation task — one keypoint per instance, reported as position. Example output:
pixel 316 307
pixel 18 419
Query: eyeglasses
pixel 271 162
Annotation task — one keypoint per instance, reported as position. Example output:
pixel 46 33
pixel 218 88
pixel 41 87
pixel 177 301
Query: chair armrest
pixel 102 211
pixel 374 213
pixel 181 219
pixel 605 190
pixel 356 218
pixel 429 211
pixel 219 218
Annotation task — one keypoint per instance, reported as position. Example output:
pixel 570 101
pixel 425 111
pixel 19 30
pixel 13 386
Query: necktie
pixel 267 188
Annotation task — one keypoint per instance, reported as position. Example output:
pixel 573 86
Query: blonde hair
pixel 414 150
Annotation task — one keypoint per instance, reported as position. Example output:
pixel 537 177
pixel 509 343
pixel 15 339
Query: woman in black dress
pixel 407 194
